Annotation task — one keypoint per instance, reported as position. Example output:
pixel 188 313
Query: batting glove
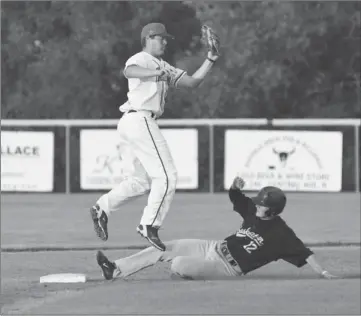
pixel 238 183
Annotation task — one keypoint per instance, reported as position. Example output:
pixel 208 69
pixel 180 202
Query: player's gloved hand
pixel 211 40
pixel 327 275
pixel 238 183
pixel 166 74
pixel 163 74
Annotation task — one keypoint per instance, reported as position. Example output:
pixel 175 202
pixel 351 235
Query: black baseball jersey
pixel 259 242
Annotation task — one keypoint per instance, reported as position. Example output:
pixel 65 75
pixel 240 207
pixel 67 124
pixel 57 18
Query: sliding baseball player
pixel 263 237
pixel 144 148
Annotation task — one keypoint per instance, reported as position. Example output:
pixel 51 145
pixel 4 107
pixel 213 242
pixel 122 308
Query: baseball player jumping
pixel 144 148
pixel 262 238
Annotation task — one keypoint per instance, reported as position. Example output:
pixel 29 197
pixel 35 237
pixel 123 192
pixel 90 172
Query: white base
pixel 63 278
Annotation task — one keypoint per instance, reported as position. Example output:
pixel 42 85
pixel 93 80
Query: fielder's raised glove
pixel 211 40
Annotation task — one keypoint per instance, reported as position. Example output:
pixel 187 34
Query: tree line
pixel 63 59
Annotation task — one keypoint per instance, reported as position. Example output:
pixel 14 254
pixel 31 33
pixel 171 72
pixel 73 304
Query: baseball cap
pixel 271 197
pixel 153 29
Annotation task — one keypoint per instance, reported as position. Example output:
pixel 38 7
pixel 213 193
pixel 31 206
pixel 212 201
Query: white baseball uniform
pixel 150 166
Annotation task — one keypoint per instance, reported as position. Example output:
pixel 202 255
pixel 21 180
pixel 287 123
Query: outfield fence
pixel 307 155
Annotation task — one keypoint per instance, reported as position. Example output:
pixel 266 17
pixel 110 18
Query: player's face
pixel 157 45
pixel 261 211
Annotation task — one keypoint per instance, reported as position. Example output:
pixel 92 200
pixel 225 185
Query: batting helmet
pixel 271 197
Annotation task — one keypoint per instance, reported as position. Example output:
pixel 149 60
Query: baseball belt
pixel 152 115
pixel 227 255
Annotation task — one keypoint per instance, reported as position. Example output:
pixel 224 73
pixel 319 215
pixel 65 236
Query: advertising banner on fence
pixel 27 161
pixel 104 162
pixel 291 160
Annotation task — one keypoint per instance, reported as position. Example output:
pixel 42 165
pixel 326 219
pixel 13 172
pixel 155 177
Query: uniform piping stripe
pixel 165 172
pixel 178 78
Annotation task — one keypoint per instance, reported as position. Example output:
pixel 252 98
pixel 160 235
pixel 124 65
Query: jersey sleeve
pixel 294 251
pixel 242 204
pixel 136 60
pixel 176 74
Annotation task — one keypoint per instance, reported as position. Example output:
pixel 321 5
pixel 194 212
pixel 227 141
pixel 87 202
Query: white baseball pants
pixel 190 258
pixel 149 167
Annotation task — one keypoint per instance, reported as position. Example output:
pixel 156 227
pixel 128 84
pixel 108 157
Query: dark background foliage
pixel 64 59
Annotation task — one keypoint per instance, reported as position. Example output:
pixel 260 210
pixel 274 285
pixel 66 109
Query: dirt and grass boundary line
pixel 15 249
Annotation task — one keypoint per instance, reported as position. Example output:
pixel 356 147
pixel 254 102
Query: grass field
pixel 34 226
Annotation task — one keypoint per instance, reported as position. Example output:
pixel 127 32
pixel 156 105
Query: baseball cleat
pixel 100 220
pixel 106 265
pixel 151 234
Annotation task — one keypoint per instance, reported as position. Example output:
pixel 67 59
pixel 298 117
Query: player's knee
pixel 168 180
pixel 172 180
pixel 179 267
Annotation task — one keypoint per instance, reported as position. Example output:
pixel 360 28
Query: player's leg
pixel 112 201
pixel 198 268
pixel 151 149
pixel 135 183
pixel 210 266
pixel 161 169
pixel 150 256
pixel 124 192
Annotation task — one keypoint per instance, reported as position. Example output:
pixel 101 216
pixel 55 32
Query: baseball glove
pixel 210 39
pixel 168 75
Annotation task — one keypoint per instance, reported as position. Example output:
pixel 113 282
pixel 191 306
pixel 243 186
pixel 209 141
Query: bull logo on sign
pixel 283 157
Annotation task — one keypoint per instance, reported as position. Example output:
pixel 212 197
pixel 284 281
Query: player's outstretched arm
pixel 238 183
pixel 135 71
pixel 241 203
pixel 212 41
pixel 311 260
pixel 197 78
pixel 235 191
